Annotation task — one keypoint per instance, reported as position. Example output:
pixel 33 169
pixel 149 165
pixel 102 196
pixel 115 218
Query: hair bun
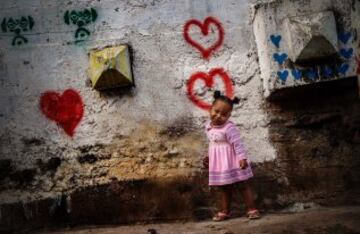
pixel 217 94
pixel 236 100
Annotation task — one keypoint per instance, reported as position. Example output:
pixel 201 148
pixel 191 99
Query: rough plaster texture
pixel 123 134
pixel 301 30
pixel 136 151
pixel 304 25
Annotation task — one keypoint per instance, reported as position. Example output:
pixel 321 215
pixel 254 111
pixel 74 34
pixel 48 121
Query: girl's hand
pixel 243 164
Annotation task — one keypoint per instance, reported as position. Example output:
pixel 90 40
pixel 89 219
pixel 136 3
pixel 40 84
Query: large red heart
pixel 66 109
pixel 206 52
pixel 209 82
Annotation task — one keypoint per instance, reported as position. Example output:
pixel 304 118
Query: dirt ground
pixel 320 220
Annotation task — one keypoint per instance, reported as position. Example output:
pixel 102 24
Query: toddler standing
pixel 228 163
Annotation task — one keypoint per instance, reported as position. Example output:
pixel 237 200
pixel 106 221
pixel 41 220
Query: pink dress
pixel 225 152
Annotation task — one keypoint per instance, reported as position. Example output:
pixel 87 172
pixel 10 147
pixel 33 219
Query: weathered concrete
pixel 305 42
pixel 336 220
pixel 311 36
pixel 147 142
pixel 152 130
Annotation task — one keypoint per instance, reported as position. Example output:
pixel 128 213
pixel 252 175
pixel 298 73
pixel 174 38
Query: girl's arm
pixel 233 137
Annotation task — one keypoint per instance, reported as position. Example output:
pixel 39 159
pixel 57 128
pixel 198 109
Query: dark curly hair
pixel 219 97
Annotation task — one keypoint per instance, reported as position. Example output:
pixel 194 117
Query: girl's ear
pixel 236 100
pixel 217 94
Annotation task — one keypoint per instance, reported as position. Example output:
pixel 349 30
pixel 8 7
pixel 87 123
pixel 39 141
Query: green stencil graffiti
pixel 17 26
pixel 81 19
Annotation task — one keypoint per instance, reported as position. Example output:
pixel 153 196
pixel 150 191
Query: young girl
pixel 228 163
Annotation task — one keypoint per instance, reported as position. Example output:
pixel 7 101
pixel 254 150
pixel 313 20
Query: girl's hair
pixel 219 97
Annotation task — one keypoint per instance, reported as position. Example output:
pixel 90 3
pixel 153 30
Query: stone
pixel 311 36
pixel 299 206
pixel 110 68
pixel 300 43
pixel 172 152
pixel 5 168
pixel 51 165
pixel 87 158
pixel 24 176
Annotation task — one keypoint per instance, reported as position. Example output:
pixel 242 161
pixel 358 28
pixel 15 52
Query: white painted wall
pixel 162 64
pixel 297 22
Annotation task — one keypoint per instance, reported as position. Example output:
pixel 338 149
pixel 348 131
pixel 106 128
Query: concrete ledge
pixel 165 200
pixel 119 202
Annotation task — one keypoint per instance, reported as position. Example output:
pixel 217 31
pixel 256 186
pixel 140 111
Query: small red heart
pixel 206 52
pixel 209 82
pixel 66 109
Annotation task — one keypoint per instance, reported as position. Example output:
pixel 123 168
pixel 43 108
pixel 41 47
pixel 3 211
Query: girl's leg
pixel 225 201
pixel 226 195
pixel 247 195
pixel 248 198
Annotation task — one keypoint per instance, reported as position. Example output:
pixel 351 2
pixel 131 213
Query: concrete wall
pixel 140 149
pixel 316 44
pixel 121 125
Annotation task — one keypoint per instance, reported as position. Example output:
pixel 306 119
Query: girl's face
pixel 220 112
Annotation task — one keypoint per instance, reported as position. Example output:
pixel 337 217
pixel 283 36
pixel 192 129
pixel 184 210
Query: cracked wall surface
pixel 122 133
pixel 126 147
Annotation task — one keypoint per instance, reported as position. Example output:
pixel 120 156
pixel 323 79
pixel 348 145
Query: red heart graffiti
pixel 205 31
pixel 66 109
pixel 209 82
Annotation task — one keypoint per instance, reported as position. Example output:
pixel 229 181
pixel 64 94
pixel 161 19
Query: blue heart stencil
pixel 327 72
pixel 344 37
pixel 296 73
pixel 283 75
pixel 280 58
pixel 343 68
pixel 312 74
pixel 346 53
pixel 275 39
